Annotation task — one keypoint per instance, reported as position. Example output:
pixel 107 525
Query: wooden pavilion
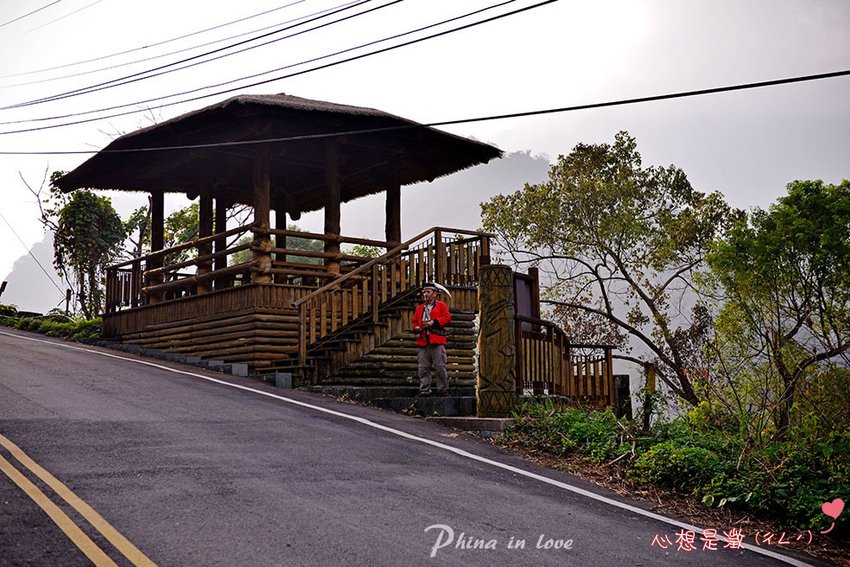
pixel 288 155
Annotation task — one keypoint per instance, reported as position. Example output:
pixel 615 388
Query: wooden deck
pixel 188 306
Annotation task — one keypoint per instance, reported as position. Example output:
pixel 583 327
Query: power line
pixel 621 102
pixel 30 13
pixel 173 39
pixel 177 51
pixel 266 81
pixel 63 17
pixel 29 251
pixel 138 76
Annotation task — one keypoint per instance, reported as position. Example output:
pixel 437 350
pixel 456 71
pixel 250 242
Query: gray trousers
pixel 433 356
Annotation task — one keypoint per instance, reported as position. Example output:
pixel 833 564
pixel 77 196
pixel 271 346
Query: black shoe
pixel 443 393
pixel 423 395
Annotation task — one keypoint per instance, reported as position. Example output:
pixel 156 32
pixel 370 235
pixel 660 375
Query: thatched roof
pixel 405 151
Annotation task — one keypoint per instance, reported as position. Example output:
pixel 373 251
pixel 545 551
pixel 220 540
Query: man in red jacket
pixel 430 320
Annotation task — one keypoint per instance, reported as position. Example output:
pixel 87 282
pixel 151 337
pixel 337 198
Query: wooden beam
pixel 205 228
pixel 157 239
pixel 393 219
pixel 280 239
pixel 220 226
pixel 262 205
pixel 333 184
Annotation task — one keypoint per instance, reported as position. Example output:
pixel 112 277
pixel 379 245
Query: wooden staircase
pixel 355 333
pixel 384 354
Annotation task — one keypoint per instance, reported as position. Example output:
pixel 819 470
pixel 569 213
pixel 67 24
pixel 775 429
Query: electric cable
pixel 606 104
pixel 63 17
pixel 138 76
pixel 274 79
pixel 29 13
pixel 178 51
pixel 142 48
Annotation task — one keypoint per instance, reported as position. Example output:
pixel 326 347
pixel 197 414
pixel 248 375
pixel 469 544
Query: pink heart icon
pixel 833 509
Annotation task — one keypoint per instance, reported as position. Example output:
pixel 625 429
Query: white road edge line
pixel 437 444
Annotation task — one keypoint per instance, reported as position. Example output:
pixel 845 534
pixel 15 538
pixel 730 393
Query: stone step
pixel 410 381
pixel 401 372
pixel 451 406
pixel 368 393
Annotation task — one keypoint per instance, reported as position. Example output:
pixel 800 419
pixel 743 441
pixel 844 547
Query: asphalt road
pixel 194 472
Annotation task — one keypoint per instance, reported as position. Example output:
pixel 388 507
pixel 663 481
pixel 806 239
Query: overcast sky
pixel 746 144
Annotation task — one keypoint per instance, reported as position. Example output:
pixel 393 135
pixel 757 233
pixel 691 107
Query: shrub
pixel 8 310
pixel 56 325
pixel 686 468
pixel 785 480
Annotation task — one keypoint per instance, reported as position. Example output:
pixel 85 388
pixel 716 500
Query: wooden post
pixel 393 219
pixel 220 226
pixel 484 257
pixel 332 203
pixel 280 240
pixel 535 291
pixel 609 377
pixel 648 400
pixel 496 387
pixel 439 257
pixel 205 228
pixel 302 334
pixel 157 241
pixel 262 206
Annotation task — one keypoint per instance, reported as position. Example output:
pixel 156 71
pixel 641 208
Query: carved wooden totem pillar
pixel 496 390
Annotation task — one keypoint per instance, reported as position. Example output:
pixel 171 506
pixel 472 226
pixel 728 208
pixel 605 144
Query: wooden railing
pixel 162 276
pixel 547 363
pixel 447 256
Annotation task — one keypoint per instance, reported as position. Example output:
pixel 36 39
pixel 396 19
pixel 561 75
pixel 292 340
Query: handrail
pixel 197 260
pixel 542 323
pixel 179 247
pixel 376 261
pixel 328 237
pixel 559 330
pixel 388 255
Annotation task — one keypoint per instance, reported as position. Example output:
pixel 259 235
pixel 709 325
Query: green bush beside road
pixel 52 325
pixel 785 481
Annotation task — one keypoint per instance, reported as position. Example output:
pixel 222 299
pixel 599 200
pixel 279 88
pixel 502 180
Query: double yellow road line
pixel 61 519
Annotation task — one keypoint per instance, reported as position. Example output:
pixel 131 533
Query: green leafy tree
pixel 364 251
pixel 89 234
pixel 786 279
pixel 292 243
pixel 620 243
pixel 137 229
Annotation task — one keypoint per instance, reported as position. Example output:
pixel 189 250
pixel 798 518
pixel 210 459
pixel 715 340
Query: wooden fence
pixel 547 363
pixel 166 274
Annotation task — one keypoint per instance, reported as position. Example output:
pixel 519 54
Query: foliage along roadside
pixel 52 325
pixel 785 481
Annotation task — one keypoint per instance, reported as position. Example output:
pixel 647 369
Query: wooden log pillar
pixel 333 183
pixel 157 241
pixel 496 387
pixel 220 226
pixel 205 229
pixel 280 240
pixel 262 244
pixel 393 219
pixel 439 258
